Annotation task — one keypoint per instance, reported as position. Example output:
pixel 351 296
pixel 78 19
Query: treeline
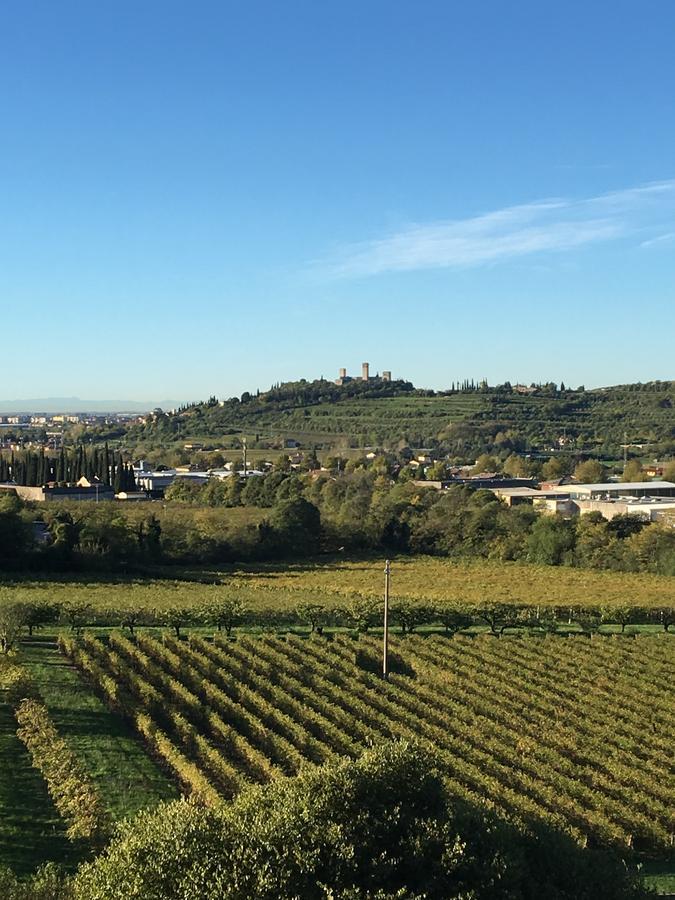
pixel 106 536
pixel 30 468
pixel 299 515
pixel 229 611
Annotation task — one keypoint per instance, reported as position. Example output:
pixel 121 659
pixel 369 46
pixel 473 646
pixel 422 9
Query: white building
pixel 616 490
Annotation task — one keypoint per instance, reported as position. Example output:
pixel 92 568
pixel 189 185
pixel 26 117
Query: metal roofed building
pixel 613 489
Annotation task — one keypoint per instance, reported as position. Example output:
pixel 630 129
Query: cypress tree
pixel 119 475
pixel 61 466
pixel 31 470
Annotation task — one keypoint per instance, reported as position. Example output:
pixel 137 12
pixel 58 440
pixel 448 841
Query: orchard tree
pixel 226 612
pixel 452 618
pixel 11 623
pixel 314 614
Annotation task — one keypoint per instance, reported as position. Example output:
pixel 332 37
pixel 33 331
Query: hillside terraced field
pixel 573 732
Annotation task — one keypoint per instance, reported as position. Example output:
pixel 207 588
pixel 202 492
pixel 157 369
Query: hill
pixel 465 420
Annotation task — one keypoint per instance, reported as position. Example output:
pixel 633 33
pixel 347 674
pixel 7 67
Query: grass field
pixel 284 586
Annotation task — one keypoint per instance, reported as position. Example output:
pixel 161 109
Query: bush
pixel 378 827
pixel 48 883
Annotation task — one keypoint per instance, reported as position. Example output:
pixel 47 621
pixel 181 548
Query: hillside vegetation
pixel 386 413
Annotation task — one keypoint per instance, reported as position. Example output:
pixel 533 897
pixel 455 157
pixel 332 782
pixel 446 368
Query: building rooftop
pixel 622 486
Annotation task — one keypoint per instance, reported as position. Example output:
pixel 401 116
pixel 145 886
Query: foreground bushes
pixel 49 882
pixel 72 791
pixel 378 827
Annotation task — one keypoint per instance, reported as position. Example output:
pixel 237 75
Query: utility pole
pixel 243 442
pixel 385 647
pixel 625 449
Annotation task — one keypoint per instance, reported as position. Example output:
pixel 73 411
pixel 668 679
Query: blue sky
pixel 209 197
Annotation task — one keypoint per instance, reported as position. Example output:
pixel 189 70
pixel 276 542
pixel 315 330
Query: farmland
pixel 336 580
pixel 564 731
pixel 553 730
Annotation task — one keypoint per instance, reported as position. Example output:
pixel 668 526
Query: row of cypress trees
pixel 35 468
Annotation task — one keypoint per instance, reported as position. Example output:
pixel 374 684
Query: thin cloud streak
pixel 661 239
pixel 549 225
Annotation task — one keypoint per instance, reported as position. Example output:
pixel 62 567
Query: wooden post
pixel 385 647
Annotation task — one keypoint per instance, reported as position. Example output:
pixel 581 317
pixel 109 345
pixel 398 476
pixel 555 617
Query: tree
pixel 550 540
pixel 452 618
pixel 298 525
pixel 669 471
pixel 175 617
pixel 314 614
pixel 498 616
pixel 517 467
pixel 380 827
pixel 410 614
pixel 625 525
pixel 590 472
pixel 556 467
pixel 66 534
pixel 364 612
pixel 11 622
pixel 633 471
pixel 623 615
pixel 225 612
pixel 485 463
pixel 36 613
pixel 14 534
pixel 133 617
pixel 77 614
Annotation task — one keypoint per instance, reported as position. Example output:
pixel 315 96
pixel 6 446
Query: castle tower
pixel 343 373
pixel 365 372
pixel 386 375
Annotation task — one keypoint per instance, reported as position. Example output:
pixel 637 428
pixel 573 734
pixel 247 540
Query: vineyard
pixel 572 732
pixel 334 583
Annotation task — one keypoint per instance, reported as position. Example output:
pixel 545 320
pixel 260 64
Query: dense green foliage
pixel 380 827
pixel 362 510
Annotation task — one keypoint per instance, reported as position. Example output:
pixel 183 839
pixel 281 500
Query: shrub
pixel 381 826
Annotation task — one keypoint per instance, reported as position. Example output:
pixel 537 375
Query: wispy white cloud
pixel 667 238
pixel 549 225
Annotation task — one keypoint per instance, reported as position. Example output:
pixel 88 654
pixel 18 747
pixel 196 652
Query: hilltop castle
pixel 343 378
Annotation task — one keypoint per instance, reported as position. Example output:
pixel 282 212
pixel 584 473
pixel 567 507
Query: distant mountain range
pixel 54 405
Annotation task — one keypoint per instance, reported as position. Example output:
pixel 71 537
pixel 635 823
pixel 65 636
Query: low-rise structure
pixel 615 490
pixel 51 492
pixel 649 508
